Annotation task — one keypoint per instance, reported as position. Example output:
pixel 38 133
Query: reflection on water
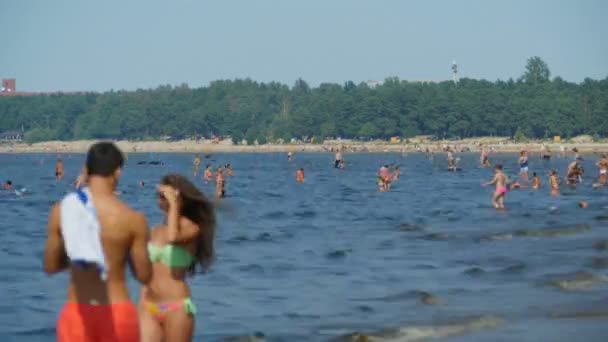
pixel 334 259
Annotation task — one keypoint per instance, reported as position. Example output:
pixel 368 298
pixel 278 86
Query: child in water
pixel 300 175
pixel 554 182
pixel 498 198
pixel 208 174
pixel 535 181
pixel 8 185
pixel 397 173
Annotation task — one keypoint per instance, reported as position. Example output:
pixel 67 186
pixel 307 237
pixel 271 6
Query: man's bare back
pixel 123 230
pixel 102 235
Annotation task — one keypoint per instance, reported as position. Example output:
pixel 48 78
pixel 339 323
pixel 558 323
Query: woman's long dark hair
pixel 198 209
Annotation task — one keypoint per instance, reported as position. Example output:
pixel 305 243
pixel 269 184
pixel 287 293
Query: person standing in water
pixel 197 165
pixel 183 240
pixel 208 174
pixel 290 156
pixel 483 157
pixel 451 160
pixel 535 181
pixel 92 234
pixel 339 158
pixel 59 169
pixel 523 165
pixel 498 198
pixel 220 183
pixel 602 165
pixel 554 182
pixel 300 175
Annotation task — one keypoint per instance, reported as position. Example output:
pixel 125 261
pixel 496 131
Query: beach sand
pixel 499 145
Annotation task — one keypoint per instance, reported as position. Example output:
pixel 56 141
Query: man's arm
pixel 55 258
pixel 140 261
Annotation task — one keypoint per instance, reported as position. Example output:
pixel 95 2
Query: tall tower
pixel 454 72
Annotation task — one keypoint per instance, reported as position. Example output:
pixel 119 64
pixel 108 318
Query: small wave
pixel 580 314
pixel 264 237
pixel 274 215
pixel 256 337
pixel 238 239
pixel 254 268
pixel 552 232
pixel 577 281
pixel 601 245
pixel 516 268
pixel 306 214
pixel 599 262
pixel 497 237
pixel 475 271
pixel 422 333
pixel 409 227
pixel 435 237
pixel 338 254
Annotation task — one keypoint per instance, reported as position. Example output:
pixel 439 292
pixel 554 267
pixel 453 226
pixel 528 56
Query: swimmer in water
pixel 81 180
pixel 535 181
pixel 7 185
pixel 290 156
pixel 516 185
pixel 59 169
pixel 220 183
pixel 197 165
pixel 181 246
pixel 523 165
pixel 208 174
pixel 498 198
pixel 397 173
pixel 228 169
pixel 583 204
pixel 300 175
pixel 141 184
pixel 554 182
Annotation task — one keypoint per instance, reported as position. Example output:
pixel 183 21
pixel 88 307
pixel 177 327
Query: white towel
pixel 81 230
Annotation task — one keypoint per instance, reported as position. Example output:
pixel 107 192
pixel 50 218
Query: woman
pixel 523 165
pixel 186 237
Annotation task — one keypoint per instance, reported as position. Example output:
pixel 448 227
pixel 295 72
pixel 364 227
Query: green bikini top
pixel 170 255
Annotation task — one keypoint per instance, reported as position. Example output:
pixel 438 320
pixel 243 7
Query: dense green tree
pixel 535 106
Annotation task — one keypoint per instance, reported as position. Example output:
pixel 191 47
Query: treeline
pixel 534 106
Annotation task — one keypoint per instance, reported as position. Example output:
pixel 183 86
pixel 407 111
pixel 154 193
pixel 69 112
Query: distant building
pixel 14 136
pixel 8 85
pixel 9 88
pixel 373 84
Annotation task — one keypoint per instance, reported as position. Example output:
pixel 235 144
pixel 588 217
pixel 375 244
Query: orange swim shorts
pixel 98 323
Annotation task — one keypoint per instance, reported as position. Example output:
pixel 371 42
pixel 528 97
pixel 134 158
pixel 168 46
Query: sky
pixel 79 45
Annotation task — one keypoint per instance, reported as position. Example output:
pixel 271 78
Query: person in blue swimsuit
pixel 523 165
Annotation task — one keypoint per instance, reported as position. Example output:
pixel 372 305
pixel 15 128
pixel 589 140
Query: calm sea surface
pixel 323 260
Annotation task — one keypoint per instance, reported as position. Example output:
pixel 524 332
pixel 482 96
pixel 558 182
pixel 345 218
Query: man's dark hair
pixel 498 166
pixel 103 159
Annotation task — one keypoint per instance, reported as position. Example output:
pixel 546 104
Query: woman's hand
pixel 170 194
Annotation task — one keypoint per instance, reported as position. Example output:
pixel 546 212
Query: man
pixel 98 306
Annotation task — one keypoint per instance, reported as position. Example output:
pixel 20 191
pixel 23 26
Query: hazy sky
pixel 127 44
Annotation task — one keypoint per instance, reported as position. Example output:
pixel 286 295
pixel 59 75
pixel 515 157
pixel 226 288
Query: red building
pixel 8 85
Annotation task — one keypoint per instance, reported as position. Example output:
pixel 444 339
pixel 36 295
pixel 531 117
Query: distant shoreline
pixel 499 145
